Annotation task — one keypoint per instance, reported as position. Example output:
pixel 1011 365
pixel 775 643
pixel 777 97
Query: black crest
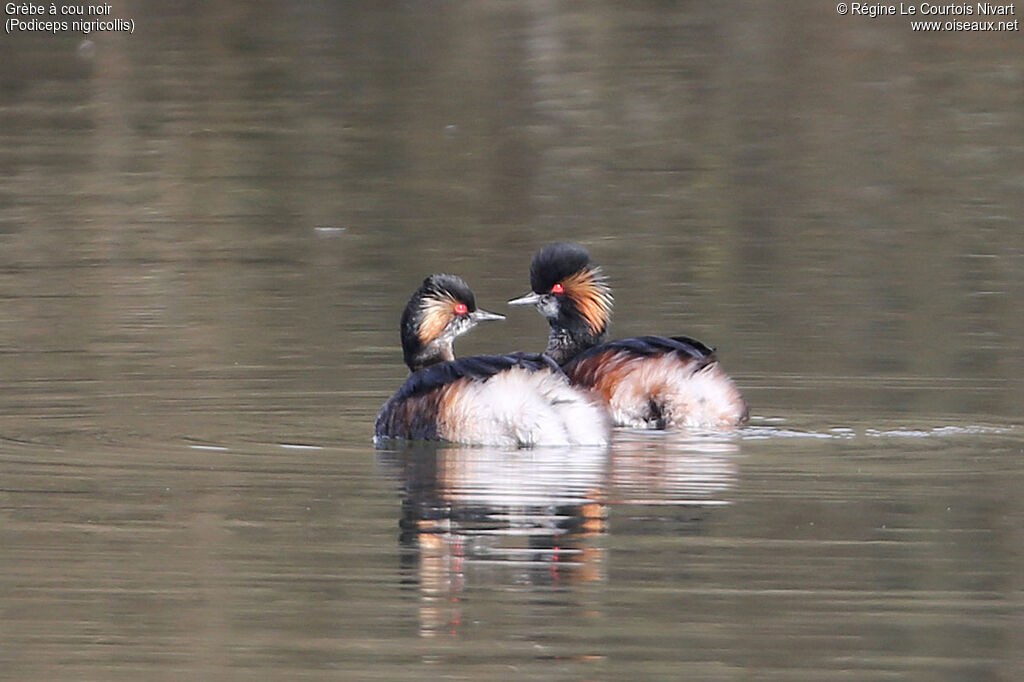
pixel 554 263
pixel 452 286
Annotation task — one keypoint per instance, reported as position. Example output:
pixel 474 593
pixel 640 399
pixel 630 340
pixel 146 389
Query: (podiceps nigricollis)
pixel 514 400
pixel 647 381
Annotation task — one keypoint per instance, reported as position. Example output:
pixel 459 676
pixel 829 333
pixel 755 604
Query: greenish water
pixel 208 230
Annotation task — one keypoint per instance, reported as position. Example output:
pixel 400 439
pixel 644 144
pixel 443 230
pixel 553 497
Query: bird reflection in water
pixel 487 516
pixel 532 519
pixel 673 469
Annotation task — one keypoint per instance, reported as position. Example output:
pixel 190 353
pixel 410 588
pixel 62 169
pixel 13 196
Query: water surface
pixel 208 231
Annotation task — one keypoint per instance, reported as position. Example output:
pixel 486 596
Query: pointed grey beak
pixel 480 315
pixel 531 298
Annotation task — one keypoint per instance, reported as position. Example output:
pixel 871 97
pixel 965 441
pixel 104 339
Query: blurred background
pixel 209 228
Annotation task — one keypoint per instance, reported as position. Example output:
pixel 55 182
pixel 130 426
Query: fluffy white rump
pixel 519 408
pixel 706 399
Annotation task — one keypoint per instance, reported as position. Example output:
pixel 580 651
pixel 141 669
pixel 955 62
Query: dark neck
pixel 565 343
pixel 423 356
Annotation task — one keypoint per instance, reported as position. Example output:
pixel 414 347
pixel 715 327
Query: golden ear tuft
pixel 438 312
pixel 592 297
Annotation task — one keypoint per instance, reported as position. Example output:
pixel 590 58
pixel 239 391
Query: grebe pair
pixel 514 400
pixel 564 396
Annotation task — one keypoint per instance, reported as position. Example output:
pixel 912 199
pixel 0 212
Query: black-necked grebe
pixel 514 400
pixel 648 381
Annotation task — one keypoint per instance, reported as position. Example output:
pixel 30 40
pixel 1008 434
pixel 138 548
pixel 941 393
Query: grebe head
pixel 574 297
pixel 442 309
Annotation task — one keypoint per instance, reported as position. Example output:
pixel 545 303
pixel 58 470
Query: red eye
pixel 558 289
pixel 461 309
